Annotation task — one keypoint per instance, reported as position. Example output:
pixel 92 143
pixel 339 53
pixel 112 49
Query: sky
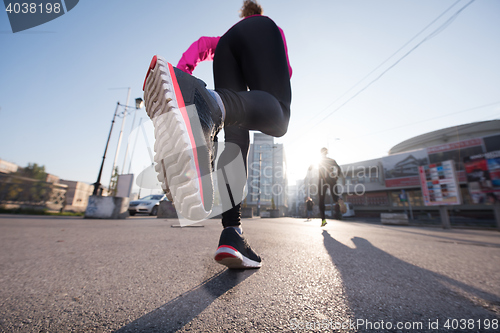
pixel 367 75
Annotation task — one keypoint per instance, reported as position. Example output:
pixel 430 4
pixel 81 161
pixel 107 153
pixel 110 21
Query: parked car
pixel 348 213
pixel 350 210
pixel 147 205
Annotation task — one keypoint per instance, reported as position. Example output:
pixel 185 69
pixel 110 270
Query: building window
pixel 357 200
pixel 396 202
pixel 377 199
pixel 415 198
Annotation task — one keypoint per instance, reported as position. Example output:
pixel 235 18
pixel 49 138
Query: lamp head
pixel 139 103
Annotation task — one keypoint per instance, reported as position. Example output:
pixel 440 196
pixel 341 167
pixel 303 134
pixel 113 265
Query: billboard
pixel 456 151
pixel 439 184
pixel 401 170
pixel 483 177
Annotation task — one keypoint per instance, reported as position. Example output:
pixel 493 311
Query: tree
pixel 34 171
pixel 18 188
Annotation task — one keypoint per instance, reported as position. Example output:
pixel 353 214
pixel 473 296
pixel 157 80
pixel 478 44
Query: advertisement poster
pixel 439 184
pixel 456 151
pixel 483 177
pixel 401 170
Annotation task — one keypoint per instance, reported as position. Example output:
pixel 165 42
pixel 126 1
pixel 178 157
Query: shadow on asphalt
pixel 380 286
pixel 444 239
pixel 181 310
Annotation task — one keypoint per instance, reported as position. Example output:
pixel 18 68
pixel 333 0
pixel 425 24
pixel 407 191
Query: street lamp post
pixel 133 149
pixel 138 104
pixel 120 137
pixel 97 184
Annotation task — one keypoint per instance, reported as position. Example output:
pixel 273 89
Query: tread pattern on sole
pixel 173 149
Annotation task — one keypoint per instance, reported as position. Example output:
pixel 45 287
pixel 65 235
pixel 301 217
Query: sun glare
pixel 299 159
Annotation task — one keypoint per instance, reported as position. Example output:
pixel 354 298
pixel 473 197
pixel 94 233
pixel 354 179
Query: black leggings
pixel 323 185
pixel 252 78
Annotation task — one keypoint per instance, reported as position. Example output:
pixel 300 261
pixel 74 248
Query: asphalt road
pixel 143 275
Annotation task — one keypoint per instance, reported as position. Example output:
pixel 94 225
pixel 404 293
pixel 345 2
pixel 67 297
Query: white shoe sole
pixel 233 259
pixel 176 156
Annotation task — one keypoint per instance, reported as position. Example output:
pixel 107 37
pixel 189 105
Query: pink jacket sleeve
pixel 204 49
pixel 201 50
pixel 286 51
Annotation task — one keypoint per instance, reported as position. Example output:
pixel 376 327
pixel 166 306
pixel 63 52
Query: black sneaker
pixel 186 119
pixel 235 252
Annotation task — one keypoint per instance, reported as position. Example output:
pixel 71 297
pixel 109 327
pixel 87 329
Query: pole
pixel 445 219
pixel 128 143
pixel 140 187
pixel 258 194
pixel 276 202
pixel 409 205
pixel 120 137
pixel 97 184
pixel 496 209
pixel 135 143
pixel 404 198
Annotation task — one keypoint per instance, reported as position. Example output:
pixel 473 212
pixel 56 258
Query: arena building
pixel 393 184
